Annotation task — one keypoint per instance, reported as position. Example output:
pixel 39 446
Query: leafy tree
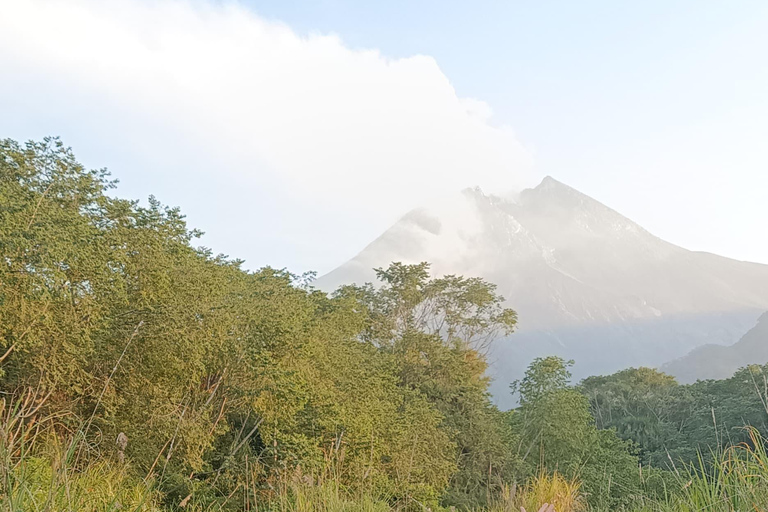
pixel 558 433
pixel 543 376
pixel 672 424
pixel 436 330
pixel 635 402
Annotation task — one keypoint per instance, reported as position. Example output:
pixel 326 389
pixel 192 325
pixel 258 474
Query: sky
pixel 294 133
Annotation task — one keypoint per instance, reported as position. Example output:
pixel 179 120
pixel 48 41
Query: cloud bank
pixel 288 150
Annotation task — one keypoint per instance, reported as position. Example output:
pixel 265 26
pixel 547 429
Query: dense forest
pixel 141 372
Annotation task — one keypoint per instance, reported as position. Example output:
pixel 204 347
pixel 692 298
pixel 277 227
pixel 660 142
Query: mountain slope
pixel 719 362
pixel 587 282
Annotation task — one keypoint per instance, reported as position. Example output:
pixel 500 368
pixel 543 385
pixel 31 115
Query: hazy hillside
pixel 588 283
pixel 718 362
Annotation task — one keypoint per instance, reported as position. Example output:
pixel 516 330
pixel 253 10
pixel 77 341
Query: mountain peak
pixel 570 211
pixel 550 185
pixel 552 197
pixel 549 181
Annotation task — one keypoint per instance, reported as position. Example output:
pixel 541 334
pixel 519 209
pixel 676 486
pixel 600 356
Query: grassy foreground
pixel 43 469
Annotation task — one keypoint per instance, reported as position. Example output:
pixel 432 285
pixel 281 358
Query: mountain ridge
pixel 720 362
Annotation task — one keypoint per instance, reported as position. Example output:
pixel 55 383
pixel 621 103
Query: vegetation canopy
pixel 140 372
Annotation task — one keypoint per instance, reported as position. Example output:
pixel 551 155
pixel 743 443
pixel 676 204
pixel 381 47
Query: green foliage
pixel 543 376
pixel 734 480
pixel 36 485
pixel 143 373
pixel 434 330
pixel 219 377
pixel 40 469
pixel 635 402
pixel 673 424
pixel 461 311
pixel 558 433
pixel 326 498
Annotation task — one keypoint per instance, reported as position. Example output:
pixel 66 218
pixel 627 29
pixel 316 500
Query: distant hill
pixel 718 362
pixel 587 282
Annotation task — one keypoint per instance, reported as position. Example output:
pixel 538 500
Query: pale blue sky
pixel 657 108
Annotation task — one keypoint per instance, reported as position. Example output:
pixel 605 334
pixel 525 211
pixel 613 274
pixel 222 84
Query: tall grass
pixel 38 470
pixel 553 489
pixel 43 470
pixel 325 498
pixel 736 481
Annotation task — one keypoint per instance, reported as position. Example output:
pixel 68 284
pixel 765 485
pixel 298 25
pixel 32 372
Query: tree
pixel 543 376
pixel 209 371
pixel 672 424
pixel 558 433
pixel 435 330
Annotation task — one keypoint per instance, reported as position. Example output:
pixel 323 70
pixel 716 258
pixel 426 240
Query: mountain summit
pixel 587 282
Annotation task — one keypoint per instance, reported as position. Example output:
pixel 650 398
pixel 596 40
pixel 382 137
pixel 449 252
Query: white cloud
pixel 213 94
